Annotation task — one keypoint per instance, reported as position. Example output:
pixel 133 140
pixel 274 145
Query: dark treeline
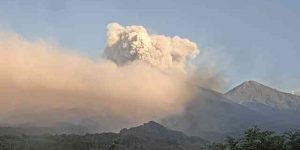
pixel 257 139
pixel 59 142
pixel 252 139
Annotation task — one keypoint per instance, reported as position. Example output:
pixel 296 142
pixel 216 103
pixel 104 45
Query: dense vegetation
pixel 257 139
pixel 252 139
pixel 58 142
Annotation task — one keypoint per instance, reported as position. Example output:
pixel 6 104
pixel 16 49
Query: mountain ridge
pixel 213 115
pixel 255 92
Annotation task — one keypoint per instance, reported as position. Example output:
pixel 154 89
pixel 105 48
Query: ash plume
pixel 132 43
pixel 141 77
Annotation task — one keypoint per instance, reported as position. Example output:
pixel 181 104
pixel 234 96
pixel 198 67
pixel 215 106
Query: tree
pixel 232 143
pixel 257 139
pixel 292 139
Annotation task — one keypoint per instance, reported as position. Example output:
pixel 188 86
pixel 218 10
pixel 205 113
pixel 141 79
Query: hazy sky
pixel 252 40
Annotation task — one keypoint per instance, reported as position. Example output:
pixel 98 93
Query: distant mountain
pixel 283 109
pixel 214 115
pixel 251 92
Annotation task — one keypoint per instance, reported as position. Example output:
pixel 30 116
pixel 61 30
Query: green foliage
pixel 257 139
pixel 293 140
pixel 252 139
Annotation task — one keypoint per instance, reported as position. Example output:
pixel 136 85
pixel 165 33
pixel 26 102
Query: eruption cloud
pixel 131 43
pixel 141 77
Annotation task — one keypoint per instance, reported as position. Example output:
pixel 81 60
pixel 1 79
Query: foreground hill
pixel 149 136
pixel 152 136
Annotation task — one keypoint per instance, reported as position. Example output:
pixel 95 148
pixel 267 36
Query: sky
pixel 250 40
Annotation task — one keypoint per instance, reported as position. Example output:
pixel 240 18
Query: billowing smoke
pixel 132 43
pixel 142 77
